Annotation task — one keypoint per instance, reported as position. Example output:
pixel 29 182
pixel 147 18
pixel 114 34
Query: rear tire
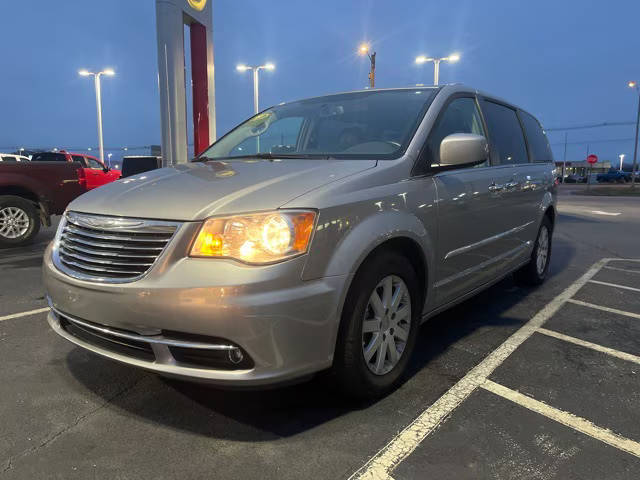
pixel 370 328
pixel 535 272
pixel 19 221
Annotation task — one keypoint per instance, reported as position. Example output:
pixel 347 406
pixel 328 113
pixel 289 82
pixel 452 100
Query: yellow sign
pixel 198 4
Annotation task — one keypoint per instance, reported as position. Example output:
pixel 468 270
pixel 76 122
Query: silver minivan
pixel 317 235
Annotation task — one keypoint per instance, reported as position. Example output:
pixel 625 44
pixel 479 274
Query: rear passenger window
pixel 9 159
pixel 539 148
pixel 505 134
pixel 460 116
pixel 49 157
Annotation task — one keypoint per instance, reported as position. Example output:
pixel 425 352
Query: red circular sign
pixel 592 159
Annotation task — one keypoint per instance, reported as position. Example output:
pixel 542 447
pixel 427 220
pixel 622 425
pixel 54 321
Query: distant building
pixel 582 168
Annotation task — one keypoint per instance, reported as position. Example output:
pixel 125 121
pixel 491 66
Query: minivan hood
pixel 194 191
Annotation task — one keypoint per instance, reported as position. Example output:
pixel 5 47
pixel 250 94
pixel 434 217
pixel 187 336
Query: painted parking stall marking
pixel 593 346
pixel 615 285
pixel 381 465
pixel 628 270
pixel 24 314
pixel 600 212
pixel 573 421
pixel 604 309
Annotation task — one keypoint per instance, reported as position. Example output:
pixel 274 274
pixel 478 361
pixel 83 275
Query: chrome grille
pixel 110 249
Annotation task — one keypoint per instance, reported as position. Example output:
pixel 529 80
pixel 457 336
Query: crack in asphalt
pixel 78 420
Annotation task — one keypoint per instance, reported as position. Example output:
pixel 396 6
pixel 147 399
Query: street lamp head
pixel 269 66
pixel 632 84
pixel 363 49
pixel 454 57
pixel 108 71
pixel 84 72
pixel 242 68
pixel 422 59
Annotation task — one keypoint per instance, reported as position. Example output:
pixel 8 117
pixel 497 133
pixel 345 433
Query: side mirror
pixel 463 149
pixel 105 169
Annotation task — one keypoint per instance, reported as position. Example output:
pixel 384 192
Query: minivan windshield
pixel 375 124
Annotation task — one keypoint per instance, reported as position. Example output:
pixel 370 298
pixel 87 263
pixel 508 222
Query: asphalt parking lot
pixel 516 383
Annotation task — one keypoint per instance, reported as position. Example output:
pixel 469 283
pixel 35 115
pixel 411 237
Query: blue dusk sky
pixel 566 61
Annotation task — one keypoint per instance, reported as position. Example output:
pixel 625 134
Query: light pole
pixel 96 80
pixel 621 156
pixel 364 50
pixel 454 57
pixel 255 69
pixel 633 84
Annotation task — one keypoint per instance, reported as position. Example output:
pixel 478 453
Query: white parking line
pixel 615 285
pixel 604 309
pixel 382 464
pixel 573 421
pixel 622 269
pixel 24 314
pixel 600 212
pixel 594 346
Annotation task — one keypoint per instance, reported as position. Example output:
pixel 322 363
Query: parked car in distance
pixel 31 192
pixel 12 157
pixel 613 176
pixel 319 234
pixel 95 172
pixel 575 178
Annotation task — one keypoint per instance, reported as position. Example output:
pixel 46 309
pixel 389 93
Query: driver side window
pixel 94 164
pixel 460 116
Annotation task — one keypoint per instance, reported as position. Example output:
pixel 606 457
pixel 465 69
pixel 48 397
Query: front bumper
pixel 285 326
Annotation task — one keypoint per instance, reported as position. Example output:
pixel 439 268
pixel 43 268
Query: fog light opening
pixel 235 355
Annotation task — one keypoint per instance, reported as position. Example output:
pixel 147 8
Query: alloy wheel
pixel 386 325
pixel 542 255
pixel 14 222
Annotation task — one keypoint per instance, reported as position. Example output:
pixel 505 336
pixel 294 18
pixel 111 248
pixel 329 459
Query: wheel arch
pixel 22 192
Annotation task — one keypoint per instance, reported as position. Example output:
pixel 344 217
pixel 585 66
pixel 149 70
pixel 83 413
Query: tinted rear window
pixel 9 159
pixel 505 133
pixel 539 148
pixel 49 157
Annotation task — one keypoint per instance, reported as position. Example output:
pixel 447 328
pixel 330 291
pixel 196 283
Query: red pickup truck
pixel 95 172
pixel 31 192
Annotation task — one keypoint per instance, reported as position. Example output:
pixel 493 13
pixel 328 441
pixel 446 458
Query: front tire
pixel 379 326
pixel 19 221
pixel 535 272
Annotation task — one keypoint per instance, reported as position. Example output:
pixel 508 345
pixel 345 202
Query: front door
pixel 469 208
pixel 96 175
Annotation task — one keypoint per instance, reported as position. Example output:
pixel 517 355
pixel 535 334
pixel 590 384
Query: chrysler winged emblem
pixel 103 223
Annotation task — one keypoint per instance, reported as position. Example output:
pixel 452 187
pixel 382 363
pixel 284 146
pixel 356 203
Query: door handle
pixel 495 188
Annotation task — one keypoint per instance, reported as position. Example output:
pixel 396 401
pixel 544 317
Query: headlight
pixel 258 238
